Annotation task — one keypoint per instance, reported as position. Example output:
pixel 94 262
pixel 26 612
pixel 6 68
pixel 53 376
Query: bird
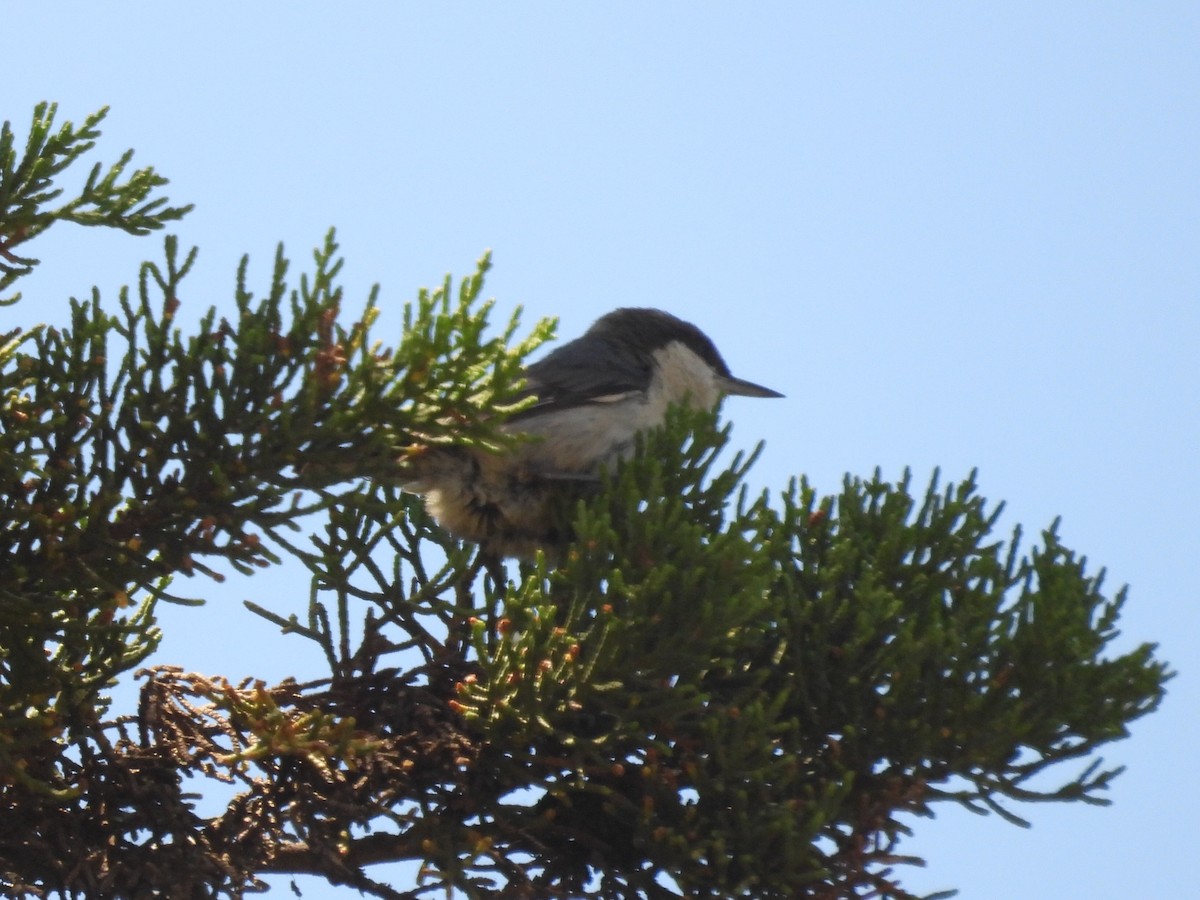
pixel 593 396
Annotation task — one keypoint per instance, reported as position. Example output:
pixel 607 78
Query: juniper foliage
pixel 711 695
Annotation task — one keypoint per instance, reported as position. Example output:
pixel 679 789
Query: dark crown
pixel 648 330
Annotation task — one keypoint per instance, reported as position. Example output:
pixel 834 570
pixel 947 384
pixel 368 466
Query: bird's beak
pixel 739 388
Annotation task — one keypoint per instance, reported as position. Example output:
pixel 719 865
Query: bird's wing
pixel 587 370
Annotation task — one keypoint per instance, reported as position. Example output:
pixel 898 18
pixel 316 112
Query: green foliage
pixel 27 188
pixel 711 695
pixel 130 452
pixel 748 695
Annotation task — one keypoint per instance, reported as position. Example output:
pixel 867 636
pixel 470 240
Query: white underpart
pixel 580 440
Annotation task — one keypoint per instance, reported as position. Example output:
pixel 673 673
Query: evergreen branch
pixel 28 187
pixel 742 702
pixel 132 453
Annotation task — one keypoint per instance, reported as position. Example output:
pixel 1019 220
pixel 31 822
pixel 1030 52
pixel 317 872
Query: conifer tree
pixel 710 694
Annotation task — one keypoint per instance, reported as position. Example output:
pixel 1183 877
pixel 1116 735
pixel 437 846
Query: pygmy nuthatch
pixel 594 395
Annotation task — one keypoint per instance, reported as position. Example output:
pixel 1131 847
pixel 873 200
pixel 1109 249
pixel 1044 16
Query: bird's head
pixel 671 355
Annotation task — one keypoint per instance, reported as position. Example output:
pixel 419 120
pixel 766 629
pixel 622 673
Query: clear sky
pixel 957 235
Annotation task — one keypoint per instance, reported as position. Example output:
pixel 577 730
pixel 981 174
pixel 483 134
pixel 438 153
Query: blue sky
pixel 956 235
